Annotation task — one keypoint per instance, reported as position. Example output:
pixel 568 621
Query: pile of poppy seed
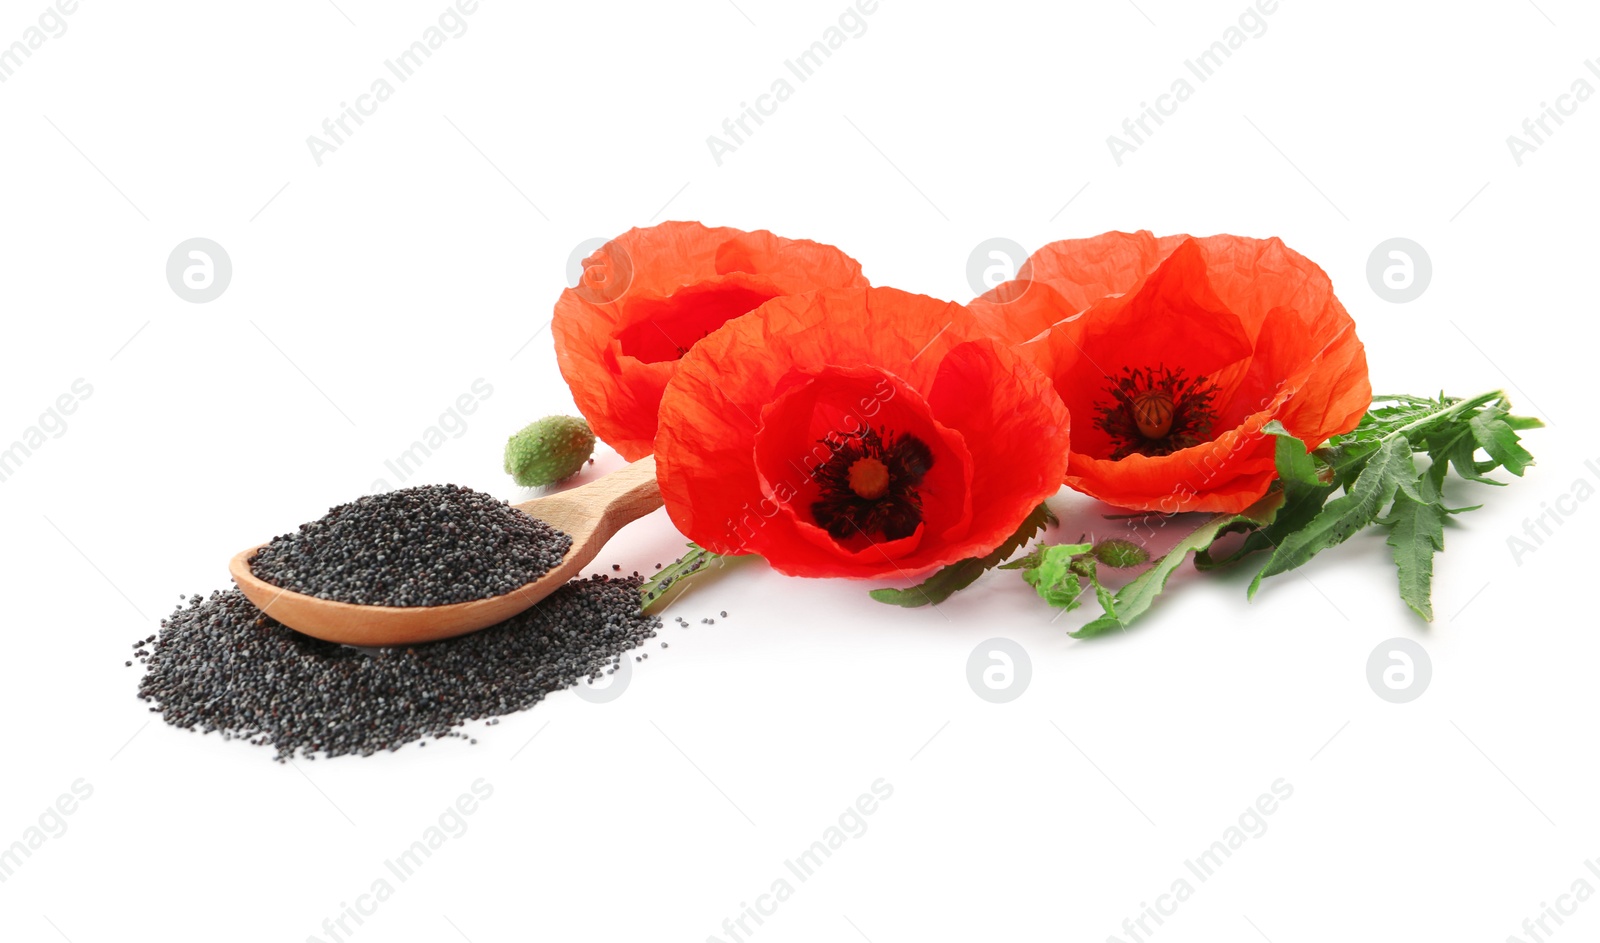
pixel 431 545
pixel 218 664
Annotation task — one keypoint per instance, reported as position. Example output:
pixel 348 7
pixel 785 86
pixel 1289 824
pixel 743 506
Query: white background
pixel 369 292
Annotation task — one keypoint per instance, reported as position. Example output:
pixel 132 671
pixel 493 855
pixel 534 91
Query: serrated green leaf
pixel 1439 448
pixel 1304 493
pixel 1463 458
pixel 1374 466
pixel 958 576
pixel 1416 533
pixel 1496 436
pixel 1051 573
pixel 1256 540
pixel 1089 568
pixel 1295 462
pixel 1346 458
pixel 1135 599
pixel 1367 496
pixel 1410 484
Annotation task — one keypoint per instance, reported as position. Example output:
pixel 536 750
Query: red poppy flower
pixel 862 432
pixel 649 295
pixel 1173 353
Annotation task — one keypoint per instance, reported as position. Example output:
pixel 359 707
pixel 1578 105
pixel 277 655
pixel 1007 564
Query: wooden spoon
pixel 590 514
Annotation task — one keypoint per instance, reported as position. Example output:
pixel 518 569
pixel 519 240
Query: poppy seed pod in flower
pixel 862 432
pixel 649 295
pixel 1173 354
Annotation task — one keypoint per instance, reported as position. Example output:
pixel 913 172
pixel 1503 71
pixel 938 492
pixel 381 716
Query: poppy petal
pixel 651 294
pixel 1255 321
pixel 793 439
pixel 750 402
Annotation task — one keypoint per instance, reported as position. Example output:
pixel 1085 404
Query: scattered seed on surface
pixel 220 665
pixel 432 545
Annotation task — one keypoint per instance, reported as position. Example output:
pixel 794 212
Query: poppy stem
pixel 1451 410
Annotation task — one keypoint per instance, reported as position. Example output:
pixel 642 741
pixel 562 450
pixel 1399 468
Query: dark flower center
pixel 869 478
pixel 869 485
pixel 1156 412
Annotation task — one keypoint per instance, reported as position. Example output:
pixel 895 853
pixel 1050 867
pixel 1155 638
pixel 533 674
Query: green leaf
pixel 1346 458
pixel 1050 571
pixel 1416 533
pixel 1058 572
pixel 1409 483
pixel 1134 600
pixel 1497 437
pixel 958 576
pixel 1305 491
pixel 1088 568
pixel 1374 465
pixel 1372 490
pixel 1439 447
pixel 697 560
pixel 1295 462
pixel 1463 458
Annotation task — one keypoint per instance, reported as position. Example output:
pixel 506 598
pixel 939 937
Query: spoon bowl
pixel 590 514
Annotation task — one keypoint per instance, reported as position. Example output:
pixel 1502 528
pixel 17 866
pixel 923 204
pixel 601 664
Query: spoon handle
pixel 606 504
pixel 628 493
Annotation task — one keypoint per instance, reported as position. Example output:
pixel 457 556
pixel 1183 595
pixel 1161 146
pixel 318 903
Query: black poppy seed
pixel 723 613
pixel 220 665
pixel 430 545
pixel 617 567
